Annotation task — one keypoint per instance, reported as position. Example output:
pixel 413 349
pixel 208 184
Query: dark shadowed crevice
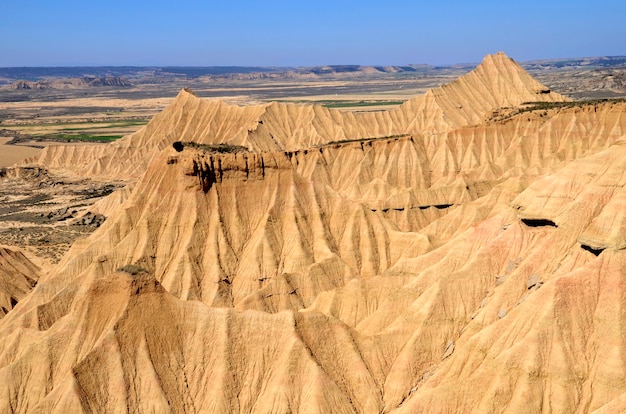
pixel 590 249
pixel 178 146
pixel 539 222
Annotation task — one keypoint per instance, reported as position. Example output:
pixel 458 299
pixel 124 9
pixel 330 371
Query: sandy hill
pixel 497 82
pixel 428 254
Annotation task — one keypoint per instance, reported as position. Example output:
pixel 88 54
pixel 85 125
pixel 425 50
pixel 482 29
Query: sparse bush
pixel 347 141
pixel 132 269
pixel 221 148
pixel 545 106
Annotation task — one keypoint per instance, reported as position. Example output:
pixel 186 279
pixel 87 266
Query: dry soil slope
pixel 497 82
pixel 18 275
pixel 548 336
pixel 395 322
pixel 104 351
pixel 499 289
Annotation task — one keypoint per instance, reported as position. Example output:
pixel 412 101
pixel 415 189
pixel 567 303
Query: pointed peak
pixel 187 91
pixel 508 82
pixel 184 95
pixel 187 96
pixel 499 61
pixel 497 55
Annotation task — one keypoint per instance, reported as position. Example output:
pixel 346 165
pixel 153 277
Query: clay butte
pixel 463 252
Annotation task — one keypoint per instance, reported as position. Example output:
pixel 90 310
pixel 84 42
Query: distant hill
pixel 604 74
pixel 588 62
pixel 129 72
pixel 586 78
pixel 72 83
pixel 148 74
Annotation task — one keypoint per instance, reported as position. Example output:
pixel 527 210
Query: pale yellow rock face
pixel 452 264
pixel 18 275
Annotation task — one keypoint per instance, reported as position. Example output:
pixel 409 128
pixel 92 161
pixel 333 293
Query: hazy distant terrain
pixel 173 77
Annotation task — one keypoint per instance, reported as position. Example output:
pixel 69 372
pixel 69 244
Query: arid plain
pixel 335 239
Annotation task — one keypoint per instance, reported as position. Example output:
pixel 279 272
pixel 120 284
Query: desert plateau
pixel 339 239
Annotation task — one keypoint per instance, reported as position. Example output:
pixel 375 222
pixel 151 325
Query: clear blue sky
pixel 303 33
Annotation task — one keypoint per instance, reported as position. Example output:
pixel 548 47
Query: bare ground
pixel 44 214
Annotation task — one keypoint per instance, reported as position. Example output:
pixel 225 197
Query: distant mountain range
pixel 124 76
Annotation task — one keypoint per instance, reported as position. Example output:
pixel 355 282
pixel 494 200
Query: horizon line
pixel 300 66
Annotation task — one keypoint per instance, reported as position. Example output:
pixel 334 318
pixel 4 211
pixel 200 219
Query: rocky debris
pixel 96 191
pixel 45 212
pixel 63 214
pixel 90 219
pixel 29 173
pixel 67 213
pixel 501 313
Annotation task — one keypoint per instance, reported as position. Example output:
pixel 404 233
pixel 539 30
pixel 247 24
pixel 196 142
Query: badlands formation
pixel 464 252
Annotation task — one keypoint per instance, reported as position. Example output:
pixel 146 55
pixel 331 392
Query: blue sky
pixel 303 33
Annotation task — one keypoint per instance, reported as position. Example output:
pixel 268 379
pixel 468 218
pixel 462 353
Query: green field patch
pixel 109 125
pixel 355 104
pixel 81 137
pixel 87 124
